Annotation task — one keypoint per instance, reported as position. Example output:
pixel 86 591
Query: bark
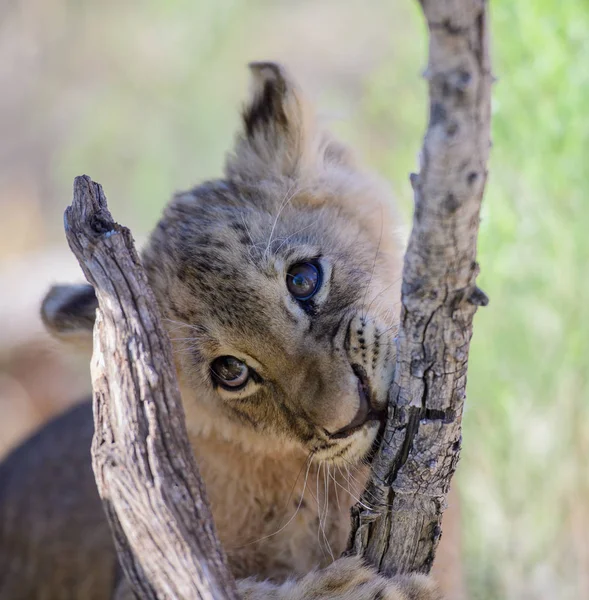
pixel 421 444
pixel 147 477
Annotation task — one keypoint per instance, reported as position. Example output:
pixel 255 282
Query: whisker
pixel 382 292
pixel 326 509
pixel 365 492
pixel 319 512
pixel 335 491
pixel 199 328
pixel 253 246
pixel 308 462
pixel 288 197
pixel 292 235
pixel 351 465
pixel 371 497
pixel 353 496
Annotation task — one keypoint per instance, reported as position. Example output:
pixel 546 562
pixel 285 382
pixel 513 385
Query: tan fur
pixel 345 579
pixel 280 480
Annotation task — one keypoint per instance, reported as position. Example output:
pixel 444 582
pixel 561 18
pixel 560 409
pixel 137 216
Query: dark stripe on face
pixel 243 416
pixel 326 445
pixel 299 426
pixel 335 331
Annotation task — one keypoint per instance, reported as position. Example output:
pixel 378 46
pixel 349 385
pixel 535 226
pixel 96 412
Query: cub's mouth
pixel 367 413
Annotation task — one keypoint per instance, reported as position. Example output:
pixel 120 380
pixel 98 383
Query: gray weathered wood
pixel 421 443
pixel 146 473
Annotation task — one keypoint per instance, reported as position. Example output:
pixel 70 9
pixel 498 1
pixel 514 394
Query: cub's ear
pixel 279 135
pixel 69 311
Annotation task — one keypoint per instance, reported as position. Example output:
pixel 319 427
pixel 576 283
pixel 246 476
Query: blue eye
pixel 303 280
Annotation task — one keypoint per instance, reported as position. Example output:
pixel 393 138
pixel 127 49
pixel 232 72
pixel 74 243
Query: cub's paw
pixel 346 579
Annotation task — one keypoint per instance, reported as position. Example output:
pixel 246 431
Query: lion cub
pixel 279 285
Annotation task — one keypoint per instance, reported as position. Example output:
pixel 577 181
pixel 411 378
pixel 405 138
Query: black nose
pixel 365 412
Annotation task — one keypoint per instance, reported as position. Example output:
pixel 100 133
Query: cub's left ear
pixel 280 136
pixel 69 312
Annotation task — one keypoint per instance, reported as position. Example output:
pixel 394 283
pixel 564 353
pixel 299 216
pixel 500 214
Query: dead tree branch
pixel 421 443
pixel 145 469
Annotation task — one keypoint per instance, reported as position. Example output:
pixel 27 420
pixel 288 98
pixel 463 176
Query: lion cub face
pixel 280 286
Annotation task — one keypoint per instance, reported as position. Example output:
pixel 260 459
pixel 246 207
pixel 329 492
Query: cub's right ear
pixel 69 311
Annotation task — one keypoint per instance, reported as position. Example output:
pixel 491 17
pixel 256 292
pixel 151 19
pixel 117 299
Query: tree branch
pixel 421 443
pixel 147 477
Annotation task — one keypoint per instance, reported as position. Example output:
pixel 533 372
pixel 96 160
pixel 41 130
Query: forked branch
pixel 421 443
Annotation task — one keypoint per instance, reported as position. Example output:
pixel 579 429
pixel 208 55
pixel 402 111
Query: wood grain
pixel 147 477
pixel 421 444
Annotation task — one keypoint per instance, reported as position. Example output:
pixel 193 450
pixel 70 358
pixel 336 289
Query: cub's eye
pixel 230 372
pixel 303 280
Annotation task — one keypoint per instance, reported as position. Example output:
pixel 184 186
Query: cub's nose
pixel 366 412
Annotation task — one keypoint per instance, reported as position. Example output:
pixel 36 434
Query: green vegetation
pixel 525 474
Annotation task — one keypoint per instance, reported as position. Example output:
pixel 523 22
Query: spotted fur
pixel 280 460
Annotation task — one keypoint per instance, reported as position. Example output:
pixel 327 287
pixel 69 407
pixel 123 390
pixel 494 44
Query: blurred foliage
pixel 167 121
pixel 158 85
pixel 527 426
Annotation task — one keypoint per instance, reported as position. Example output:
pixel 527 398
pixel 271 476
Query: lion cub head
pixel 279 284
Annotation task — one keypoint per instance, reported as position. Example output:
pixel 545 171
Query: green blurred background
pixel 143 96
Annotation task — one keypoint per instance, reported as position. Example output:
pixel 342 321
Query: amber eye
pixel 303 280
pixel 230 372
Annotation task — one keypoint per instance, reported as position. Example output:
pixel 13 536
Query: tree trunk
pixel 421 443
pixel 147 477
